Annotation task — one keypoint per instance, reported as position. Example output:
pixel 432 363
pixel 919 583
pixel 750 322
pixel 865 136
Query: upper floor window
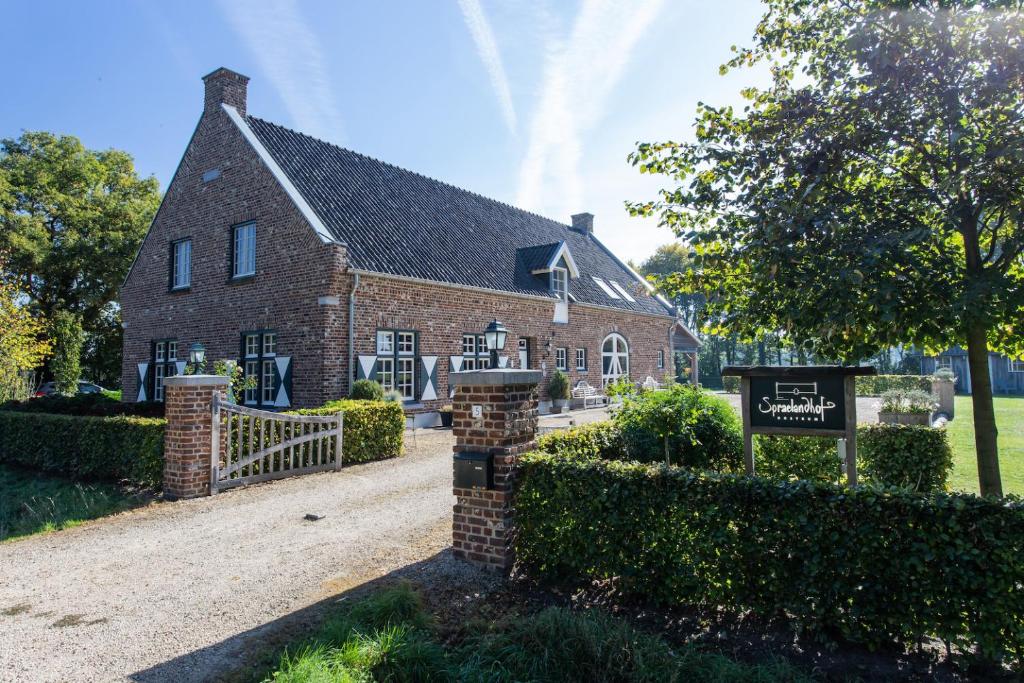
pixel 661 358
pixel 560 283
pixel 561 361
pixel 244 250
pixel 581 359
pixel 181 264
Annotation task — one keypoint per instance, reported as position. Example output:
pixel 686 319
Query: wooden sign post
pixel 818 400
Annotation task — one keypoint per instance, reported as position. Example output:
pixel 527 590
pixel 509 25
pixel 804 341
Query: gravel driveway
pixel 180 591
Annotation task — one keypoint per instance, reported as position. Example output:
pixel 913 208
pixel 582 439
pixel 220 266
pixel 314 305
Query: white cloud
pixel 290 55
pixel 579 76
pixel 487 48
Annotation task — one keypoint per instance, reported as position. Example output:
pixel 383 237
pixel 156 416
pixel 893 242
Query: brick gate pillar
pixel 494 419
pixel 188 439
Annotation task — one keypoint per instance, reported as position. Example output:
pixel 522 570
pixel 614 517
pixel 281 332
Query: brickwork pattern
pixel 188 439
pixel 483 529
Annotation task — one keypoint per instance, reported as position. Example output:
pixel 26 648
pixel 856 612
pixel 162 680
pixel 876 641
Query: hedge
pixel 593 440
pixel 103 448
pixel 814 458
pixel 373 429
pixel 96 405
pixel 876 385
pixel 873 566
pixel 914 457
pixel 731 384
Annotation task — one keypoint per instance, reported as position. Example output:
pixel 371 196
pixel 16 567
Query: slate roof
pixel 398 222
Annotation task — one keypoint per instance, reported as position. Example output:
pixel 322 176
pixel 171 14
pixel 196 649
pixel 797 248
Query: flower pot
pixel 446 419
pixel 561 405
pixel 923 419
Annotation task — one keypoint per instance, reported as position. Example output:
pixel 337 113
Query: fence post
pixel 494 420
pixel 188 439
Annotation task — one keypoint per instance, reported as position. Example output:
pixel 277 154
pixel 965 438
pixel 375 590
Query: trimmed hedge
pixel 593 440
pixel 876 385
pixel 95 405
pixel 814 458
pixel 914 457
pixel 105 448
pixel 731 384
pixel 373 429
pixel 873 566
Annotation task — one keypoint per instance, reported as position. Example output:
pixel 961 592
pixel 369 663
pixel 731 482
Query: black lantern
pixel 197 355
pixel 495 335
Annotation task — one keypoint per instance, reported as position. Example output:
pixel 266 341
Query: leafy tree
pixel 872 195
pixel 23 345
pixel 67 352
pixel 71 220
pixel 665 262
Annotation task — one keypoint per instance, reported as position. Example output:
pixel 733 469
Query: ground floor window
pixel 396 361
pixel 475 355
pixel 1016 365
pixel 944 362
pixel 661 359
pixel 165 363
pixel 259 351
pixel 614 358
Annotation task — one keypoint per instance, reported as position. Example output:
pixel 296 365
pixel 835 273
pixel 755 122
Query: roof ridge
pixel 410 171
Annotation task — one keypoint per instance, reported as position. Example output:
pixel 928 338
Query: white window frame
pixel 181 264
pixel 469 345
pixel 1014 365
pixel 618 353
pixel 259 351
pixel 405 377
pixel 244 246
pixel 943 362
pixel 562 358
pixel 160 355
pixel 604 286
pixel 581 359
pixel 270 344
pixel 406 343
pixel 252 345
pixel 158 381
pixel 622 290
pixel 386 372
pixel 252 367
pixel 396 361
pixel 661 359
pixel 560 283
pixel 267 370
pixel 385 343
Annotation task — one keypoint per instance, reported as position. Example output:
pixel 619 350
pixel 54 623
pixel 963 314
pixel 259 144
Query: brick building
pixel 312 266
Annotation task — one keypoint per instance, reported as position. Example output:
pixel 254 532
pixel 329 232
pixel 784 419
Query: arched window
pixel 614 358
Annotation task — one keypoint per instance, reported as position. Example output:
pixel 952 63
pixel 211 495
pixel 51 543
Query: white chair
pixel 588 394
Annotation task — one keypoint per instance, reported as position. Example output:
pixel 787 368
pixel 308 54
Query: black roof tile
pixel 398 222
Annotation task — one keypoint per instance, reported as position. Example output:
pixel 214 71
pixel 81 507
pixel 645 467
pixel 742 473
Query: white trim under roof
pixel 279 174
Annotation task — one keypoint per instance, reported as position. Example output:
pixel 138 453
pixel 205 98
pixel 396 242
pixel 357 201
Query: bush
pixel 103 448
pixel 876 385
pixel 912 401
pixel 67 351
pixel 373 430
pixel 594 440
pixel 731 384
pixel 95 405
pixel 913 457
pixel 701 430
pixel 872 566
pixel 558 386
pixel 815 458
pixel 366 390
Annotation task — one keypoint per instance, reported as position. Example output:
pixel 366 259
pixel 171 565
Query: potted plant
pixel 446 416
pixel 907 407
pixel 558 390
pixel 944 388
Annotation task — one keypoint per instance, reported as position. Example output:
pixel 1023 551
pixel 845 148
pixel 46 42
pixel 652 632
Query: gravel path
pixel 183 591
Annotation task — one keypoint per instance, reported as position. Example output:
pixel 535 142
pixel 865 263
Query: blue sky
pixel 535 103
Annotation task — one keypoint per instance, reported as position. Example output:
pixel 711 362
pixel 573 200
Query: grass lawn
pixel 1010 422
pixel 32 502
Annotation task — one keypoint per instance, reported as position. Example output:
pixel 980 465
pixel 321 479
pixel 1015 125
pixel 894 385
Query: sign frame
pixel 802 374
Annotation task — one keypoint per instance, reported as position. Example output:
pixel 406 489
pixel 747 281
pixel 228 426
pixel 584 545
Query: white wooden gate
pixel 258 445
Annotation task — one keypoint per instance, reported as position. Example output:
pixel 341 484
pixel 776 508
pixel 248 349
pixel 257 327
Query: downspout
pixel 352 332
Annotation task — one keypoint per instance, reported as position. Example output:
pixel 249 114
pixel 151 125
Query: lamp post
pixel 495 334
pixel 197 356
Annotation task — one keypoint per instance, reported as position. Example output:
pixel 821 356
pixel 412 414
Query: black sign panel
pixel 807 402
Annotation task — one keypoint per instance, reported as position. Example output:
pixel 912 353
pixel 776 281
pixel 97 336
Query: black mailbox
pixel 474 471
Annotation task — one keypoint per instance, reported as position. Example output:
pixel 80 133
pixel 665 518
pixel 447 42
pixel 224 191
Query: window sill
pixel 241 279
pixel 180 290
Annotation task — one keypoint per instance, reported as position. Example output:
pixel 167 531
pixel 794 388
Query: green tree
pixel 872 195
pixel 23 345
pixel 67 339
pixel 71 221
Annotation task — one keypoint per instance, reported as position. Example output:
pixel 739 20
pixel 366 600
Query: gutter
pixel 352 333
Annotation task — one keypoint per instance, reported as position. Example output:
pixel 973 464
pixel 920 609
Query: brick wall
pixel 294 268
pixel 188 436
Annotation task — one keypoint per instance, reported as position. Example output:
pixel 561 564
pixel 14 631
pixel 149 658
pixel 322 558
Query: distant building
pixel 1006 374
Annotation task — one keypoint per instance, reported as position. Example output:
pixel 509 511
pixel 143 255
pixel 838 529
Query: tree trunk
pixel 985 431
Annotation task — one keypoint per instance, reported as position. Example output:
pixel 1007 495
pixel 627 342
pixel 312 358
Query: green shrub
pixel 373 429
pixel 873 566
pixel 908 456
pixel 907 401
pixel 96 405
pixel 731 384
pixel 697 429
pixel 876 385
pixel 815 458
pixel 594 440
pixel 366 390
pixel 103 448
pixel 67 351
pixel 558 386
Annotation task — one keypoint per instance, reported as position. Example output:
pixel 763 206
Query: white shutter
pixel 179 367
pixel 143 381
pixel 366 369
pixel 283 398
pixel 429 378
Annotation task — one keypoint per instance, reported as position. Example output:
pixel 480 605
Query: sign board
pixel 800 401
pixel 807 403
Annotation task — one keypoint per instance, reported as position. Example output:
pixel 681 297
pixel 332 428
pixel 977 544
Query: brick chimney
pixel 224 86
pixel 584 223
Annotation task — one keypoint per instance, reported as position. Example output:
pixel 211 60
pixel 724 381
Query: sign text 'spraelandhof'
pixel 812 403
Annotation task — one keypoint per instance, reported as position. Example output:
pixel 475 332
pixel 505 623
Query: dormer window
pixel 560 283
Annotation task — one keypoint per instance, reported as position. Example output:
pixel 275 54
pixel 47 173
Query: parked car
pixel 50 388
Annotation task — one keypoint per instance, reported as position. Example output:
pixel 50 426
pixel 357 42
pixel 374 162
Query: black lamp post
pixel 197 356
pixel 495 335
